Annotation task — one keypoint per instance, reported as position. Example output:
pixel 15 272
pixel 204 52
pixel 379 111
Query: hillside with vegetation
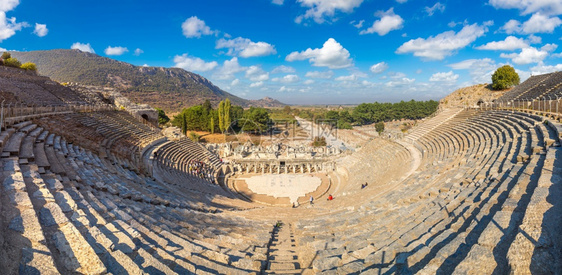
pixel 171 89
pixel 471 95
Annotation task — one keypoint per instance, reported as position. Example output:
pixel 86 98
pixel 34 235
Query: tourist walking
pixel 311 200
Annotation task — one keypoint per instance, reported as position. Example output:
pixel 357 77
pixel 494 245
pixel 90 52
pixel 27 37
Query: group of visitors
pixel 200 169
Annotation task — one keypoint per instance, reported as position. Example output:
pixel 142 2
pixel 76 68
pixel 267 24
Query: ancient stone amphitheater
pixel 90 189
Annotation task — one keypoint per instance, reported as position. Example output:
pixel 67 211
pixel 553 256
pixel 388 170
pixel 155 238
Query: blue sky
pixel 304 51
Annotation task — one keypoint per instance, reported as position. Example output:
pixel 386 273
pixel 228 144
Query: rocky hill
pixel 171 89
pixel 469 96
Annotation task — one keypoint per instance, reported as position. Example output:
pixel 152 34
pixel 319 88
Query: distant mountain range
pixel 171 89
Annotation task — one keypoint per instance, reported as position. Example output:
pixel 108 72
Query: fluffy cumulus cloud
pixel 8 25
pixel 379 67
pixel 319 10
pixel 244 47
pixel 400 82
pixel 229 68
pixel 332 55
pixel 235 82
pixel 40 30
pixel 256 84
pixel 388 21
pixel 529 6
pixel 322 75
pixel 83 47
pixel 437 7
pixel 115 50
pixel 544 69
pixel 444 44
pixel 290 78
pixel 191 64
pixel 195 27
pixel 256 73
pixel 480 70
pixel 283 69
pixel 444 77
pixel 530 55
pixel 350 77
pixel 138 52
pixel 538 23
pixel 510 43
pixel 277 2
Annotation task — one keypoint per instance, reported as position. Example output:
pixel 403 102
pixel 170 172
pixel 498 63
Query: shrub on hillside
pixel 6 55
pixel 29 66
pixel 12 62
pixel 379 126
pixel 504 77
pixel 194 136
pixel 319 142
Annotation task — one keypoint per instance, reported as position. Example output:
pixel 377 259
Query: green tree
pixel 162 117
pixel 194 136
pixel 184 123
pixel 379 126
pixel 29 66
pixel 6 55
pixel 207 106
pixel 227 116
pixel 221 116
pixel 12 62
pixel 504 77
pixel 212 125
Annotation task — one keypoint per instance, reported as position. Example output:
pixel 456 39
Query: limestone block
pixel 321 264
pixel 51 214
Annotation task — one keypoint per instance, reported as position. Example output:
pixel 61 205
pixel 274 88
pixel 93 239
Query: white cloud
pixel 290 78
pixel 115 50
pixel 255 73
pixel 9 26
pixel 318 10
pixel 331 55
pixel 138 52
pixel 83 47
pixel 308 82
pixel 443 44
pixel 510 43
pixel 401 1
pixel 317 74
pixel 357 25
pixel 145 65
pixel 40 29
pixel 527 56
pixel 511 26
pixel 244 47
pixel 538 23
pixel 534 39
pixel 388 22
pixel 544 69
pixel 8 5
pixel 283 69
pixel 195 27
pixel 444 77
pixel 350 77
pixel 256 84
pixel 400 82
pixel 379 67
pixel 193 63
pixel 529 6
pixel 229 68
pixel 437 7
pixel 480 70
pixel 235 82
pixel 277 2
